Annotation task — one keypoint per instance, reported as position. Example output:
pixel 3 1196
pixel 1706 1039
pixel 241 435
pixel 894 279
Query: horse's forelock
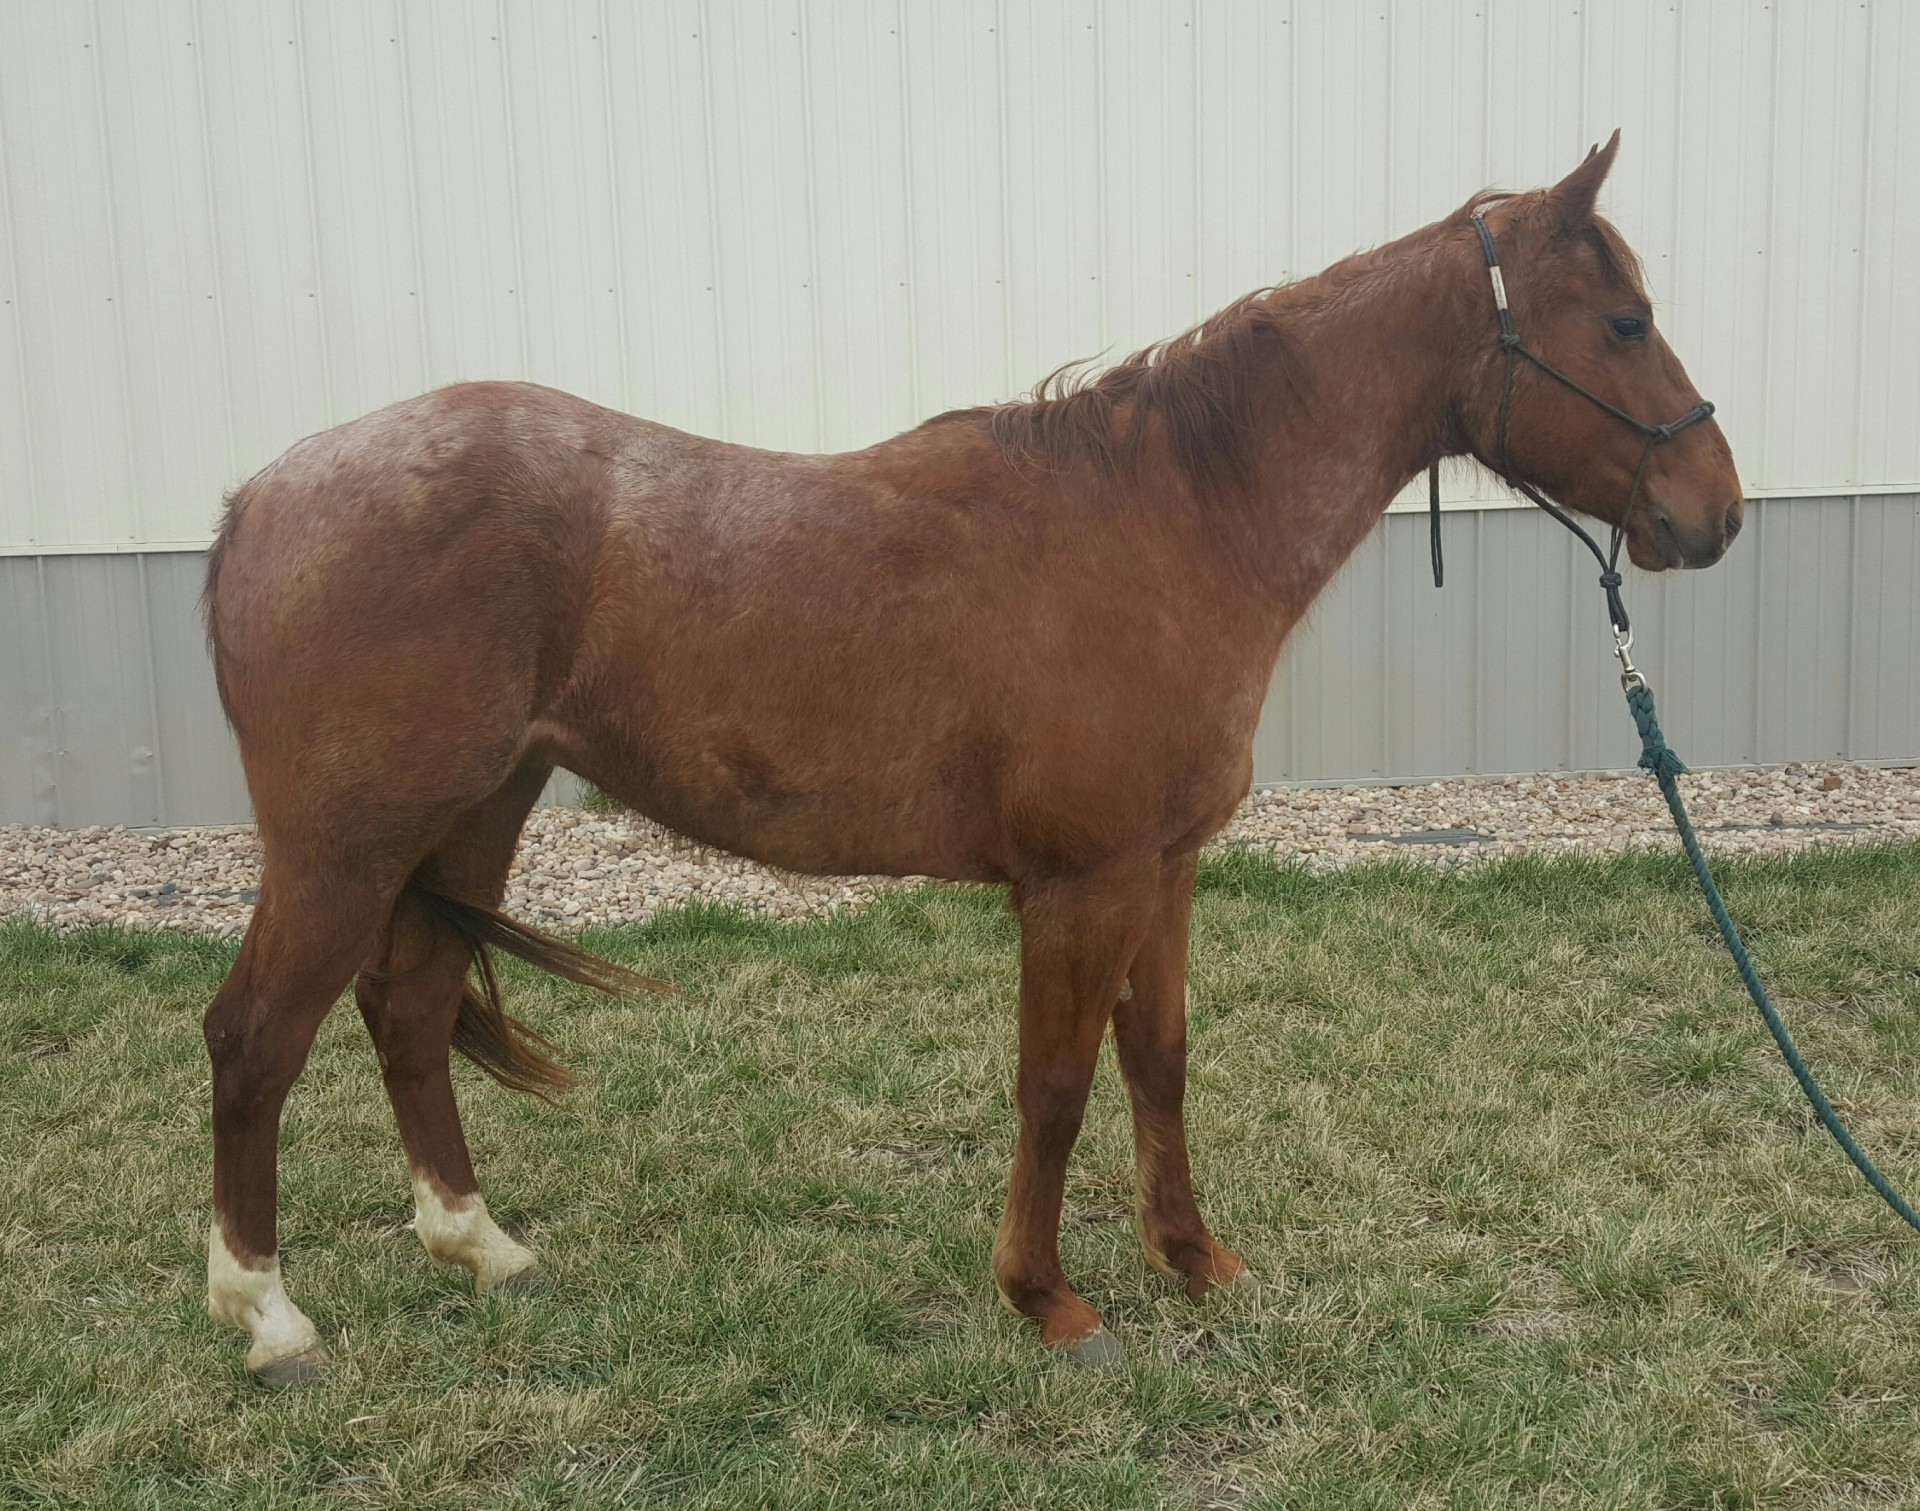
pixel 1532 216
pixel 1619 260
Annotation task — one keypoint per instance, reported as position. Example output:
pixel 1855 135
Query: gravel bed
pixel 578 868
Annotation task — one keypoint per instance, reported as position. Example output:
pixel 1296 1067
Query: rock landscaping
pixel 577 868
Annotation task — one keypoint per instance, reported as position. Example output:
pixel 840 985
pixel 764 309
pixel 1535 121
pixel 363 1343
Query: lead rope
pixel 1655 756
pixel 1665 766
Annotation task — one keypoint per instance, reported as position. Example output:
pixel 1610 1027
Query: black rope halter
pixel 1656 435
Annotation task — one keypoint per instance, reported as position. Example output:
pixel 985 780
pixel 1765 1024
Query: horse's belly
pixel 888 753
pixel 810 816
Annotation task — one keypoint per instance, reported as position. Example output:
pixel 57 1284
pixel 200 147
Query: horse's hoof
pixel 301 1368
pixel 1199 1287
pixel 532 1278
pixel 1098 1350
pixel 1244 1283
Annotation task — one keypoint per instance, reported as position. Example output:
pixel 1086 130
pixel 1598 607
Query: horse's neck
pixel 1380 354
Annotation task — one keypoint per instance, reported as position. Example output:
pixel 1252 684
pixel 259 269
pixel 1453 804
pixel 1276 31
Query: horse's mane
pixel 1203 387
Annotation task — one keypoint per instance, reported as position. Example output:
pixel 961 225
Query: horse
pixel 1022 644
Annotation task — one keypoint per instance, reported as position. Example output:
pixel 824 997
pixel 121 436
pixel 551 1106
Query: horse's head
pixel 1579 305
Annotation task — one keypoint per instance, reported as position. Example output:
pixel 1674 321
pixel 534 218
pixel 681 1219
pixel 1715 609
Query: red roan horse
pixel 1023 644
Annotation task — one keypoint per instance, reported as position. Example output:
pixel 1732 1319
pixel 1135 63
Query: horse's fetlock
pixel 248 1294
pixel 459 1230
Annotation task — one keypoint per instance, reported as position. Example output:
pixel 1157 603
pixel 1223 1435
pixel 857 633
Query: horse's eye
pixel 1629 327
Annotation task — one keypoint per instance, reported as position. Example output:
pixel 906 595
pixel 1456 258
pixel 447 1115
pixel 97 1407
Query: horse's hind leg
pixel 308 933
pixel 410 994
pixel 1150 1032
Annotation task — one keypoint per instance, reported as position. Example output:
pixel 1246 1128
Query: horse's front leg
pixel 1150 1031
pixel 1077 937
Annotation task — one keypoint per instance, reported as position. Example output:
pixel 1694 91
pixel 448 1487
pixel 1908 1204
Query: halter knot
pixel 1611 579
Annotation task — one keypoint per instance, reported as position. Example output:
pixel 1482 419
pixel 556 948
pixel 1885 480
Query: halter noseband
pixel 1656 435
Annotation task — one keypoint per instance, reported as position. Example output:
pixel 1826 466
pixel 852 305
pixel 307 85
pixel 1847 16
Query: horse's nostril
pixel 1735 516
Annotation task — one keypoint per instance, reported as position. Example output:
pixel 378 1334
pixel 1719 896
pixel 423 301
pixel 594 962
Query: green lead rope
pixel 1665 766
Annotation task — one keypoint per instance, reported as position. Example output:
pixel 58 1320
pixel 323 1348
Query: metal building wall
pixel 227 223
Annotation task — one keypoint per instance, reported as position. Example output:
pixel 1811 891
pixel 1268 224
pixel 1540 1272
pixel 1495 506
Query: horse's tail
pixel 210 599
pixel 518 1057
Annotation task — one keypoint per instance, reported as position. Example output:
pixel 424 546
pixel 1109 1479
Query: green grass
pixel 1542 1219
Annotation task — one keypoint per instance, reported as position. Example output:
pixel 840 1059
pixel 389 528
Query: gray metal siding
pixel 1804 644
pixel 108 708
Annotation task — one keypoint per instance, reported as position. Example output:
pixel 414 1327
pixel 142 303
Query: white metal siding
pixel 810 223
pixel 805 224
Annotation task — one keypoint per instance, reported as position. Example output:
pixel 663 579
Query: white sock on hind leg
pixel 458 1230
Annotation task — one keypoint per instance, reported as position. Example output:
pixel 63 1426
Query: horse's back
pixel 904 659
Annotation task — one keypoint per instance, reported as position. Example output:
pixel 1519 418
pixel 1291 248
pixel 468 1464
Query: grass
pixel 1542 1220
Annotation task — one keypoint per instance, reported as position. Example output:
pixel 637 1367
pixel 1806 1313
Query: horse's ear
pixel 1574 195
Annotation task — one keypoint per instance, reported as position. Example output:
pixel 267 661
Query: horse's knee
pixel 223 1025
pixel 1052 1100
pixel 252 1071
pixel 225 1030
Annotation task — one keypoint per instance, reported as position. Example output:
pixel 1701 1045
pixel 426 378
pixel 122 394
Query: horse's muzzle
pixel 1687 548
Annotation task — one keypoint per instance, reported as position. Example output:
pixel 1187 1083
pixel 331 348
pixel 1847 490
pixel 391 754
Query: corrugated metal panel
pixel 794 223
pixel 228 223
pixel 1883 671
pixel 29 789
pixel 108 710
pixel 1886 441
pixel 1804 644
